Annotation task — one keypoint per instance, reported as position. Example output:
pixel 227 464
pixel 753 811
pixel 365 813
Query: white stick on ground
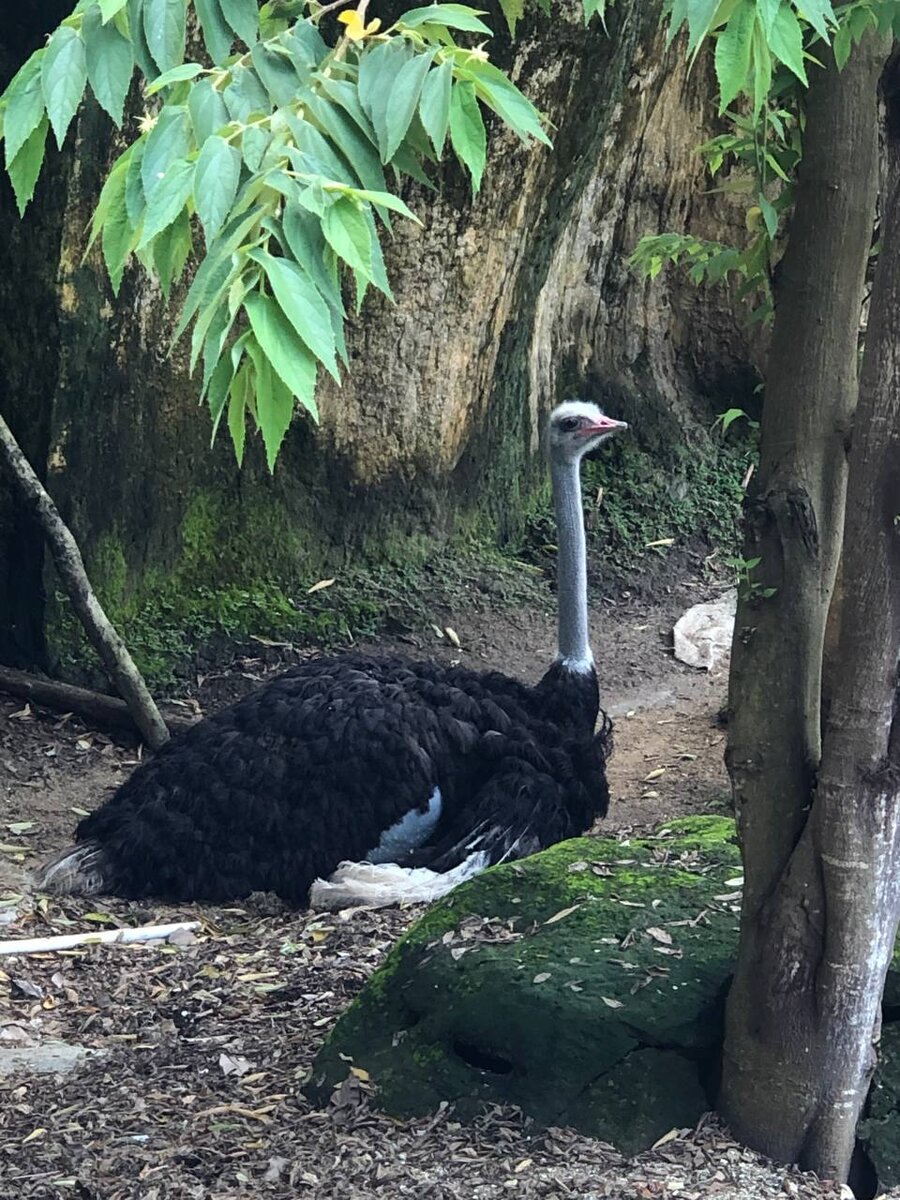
pixel 94 937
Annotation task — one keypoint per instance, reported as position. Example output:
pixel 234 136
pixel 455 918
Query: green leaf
pixel 303 232
pixel 168 140
pixel 346 95
pixel 770 216
pixel 700 14
pixel 302 305
pixel 820 15
pixel 24 106
pixel 842 45
pixel 217 391
pixel 353 145
pixel 243 17
pixel 514 10
pixel 176 75
pixel 63 77
pixel 786 41
pixel 171 250
pixel 284 349
pixel 380 200
pixel 164 29
pixel 109 8
pixel 216 179
pixel 254 143
pixel 26 166
pixel 467 134
pixel 346 231
pixel 110 63
pixel 217 35
pixel 207 110
pixel 276 71
pixel 762 70
pixel 403 101
pixel 377 72
pixel 167 200
pixel 454 16
pixel 768 11
pixel 434 106
pixel 246 95
pixel 215 267
pixel 135 201
pixel 142 55
pixel 506 100
pixel 733 48
pixel 237 410
pixel 274 404
pixel 112 214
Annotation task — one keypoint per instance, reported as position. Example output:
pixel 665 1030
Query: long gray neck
pixel 571 578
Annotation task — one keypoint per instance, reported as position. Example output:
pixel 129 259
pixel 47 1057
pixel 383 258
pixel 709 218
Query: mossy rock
pixel 584 984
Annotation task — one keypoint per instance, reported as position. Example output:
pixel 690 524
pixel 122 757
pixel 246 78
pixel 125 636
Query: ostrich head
pixel 577 427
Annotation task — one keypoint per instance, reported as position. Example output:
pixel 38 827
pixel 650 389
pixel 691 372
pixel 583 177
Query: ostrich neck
pixel 571 579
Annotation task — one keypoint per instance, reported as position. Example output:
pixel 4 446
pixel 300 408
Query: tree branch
pixel 112 650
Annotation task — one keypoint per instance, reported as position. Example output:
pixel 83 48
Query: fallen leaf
pixel 655 774
pixel 542 977
pixel 35 1133
pixel 320 586
pixel 575 867
pixel 562 914
pixel 453 637
pixel 17 828
pixel 659 935
pixel 523 1165
pixel 234 1065
pixel 659 542
pixel 612 1003
pixel 361 1073
pixel 666 1137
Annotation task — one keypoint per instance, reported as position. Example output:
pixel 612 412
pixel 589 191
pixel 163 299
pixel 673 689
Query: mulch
pixel 200 1053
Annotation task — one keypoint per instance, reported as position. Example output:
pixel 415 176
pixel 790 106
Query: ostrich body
pixel 370 760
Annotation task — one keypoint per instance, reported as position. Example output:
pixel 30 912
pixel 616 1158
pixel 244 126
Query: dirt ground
pixel 196 1052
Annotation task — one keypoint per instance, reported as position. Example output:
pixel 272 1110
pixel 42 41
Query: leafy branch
pixel 284 149
pixel 761 48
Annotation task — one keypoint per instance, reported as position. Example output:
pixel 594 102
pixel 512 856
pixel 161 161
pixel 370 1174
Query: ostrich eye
pixel 569 424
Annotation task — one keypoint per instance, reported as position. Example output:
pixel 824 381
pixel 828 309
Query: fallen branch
pixel 112 650
pixel 104 937
pixel 92 707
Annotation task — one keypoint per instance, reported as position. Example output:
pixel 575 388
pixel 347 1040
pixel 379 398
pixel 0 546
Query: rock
pixel 48 1058
pixel 584 984
pixel 702 636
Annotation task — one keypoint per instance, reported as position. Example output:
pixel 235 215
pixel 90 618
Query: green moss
pixel 649 490
pixel 535 982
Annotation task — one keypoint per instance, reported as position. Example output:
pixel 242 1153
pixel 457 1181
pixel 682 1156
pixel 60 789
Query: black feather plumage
pixel 328 760
pixel 276 790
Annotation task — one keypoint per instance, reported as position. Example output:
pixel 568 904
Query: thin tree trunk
pixel 794 513
pixel 799 1056
pixel 67 556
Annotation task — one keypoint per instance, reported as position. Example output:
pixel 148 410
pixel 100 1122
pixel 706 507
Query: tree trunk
pixel 103 636
pixel 804 1012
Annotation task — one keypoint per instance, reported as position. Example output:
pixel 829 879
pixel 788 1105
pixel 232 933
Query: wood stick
pixel 106 641
pixel 94 937
pixel 94 707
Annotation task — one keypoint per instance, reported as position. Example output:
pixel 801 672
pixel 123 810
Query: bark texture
pixel 818 943
pixel 505 305
pixel 70 568
pixel 794 513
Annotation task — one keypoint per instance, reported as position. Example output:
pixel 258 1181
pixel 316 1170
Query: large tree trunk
pixel 820 916
pixel 504 305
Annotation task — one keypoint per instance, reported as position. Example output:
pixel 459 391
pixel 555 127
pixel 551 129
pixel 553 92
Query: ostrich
pixel 346 763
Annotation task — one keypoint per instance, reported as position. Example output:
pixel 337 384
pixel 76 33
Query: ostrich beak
pixel 603 425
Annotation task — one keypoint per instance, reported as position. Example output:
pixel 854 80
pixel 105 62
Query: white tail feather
pixel 380 884
pixel 75 872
